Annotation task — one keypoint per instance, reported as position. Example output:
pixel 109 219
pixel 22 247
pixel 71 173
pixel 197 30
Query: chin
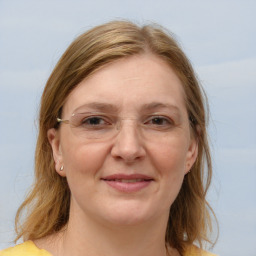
pixel 129 213
pixel 126 219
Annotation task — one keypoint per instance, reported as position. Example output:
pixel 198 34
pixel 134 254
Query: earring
pixel 62 168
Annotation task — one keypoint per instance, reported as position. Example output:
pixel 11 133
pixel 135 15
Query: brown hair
pixel 47 205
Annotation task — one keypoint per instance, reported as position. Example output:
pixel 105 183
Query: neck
pixel 84 236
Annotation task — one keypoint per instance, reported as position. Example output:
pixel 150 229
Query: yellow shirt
pixel 29 249
pixel 25 249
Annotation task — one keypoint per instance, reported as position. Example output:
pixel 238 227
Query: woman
pixel 119 165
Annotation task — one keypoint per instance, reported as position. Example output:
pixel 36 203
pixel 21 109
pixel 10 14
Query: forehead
pixel 129 83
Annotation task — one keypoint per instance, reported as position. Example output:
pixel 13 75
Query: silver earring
pixel 62 168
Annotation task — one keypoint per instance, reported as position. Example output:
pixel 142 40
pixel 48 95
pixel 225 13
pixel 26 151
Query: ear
pixel 191 154
pixel 54 140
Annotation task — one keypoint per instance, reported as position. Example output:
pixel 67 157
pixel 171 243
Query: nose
pixel 128 144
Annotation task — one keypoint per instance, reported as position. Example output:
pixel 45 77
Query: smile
pixel 128 183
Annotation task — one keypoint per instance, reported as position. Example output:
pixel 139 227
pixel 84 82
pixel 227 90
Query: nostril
pixel 128 153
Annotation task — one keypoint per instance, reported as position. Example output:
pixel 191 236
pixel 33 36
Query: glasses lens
pixel 100 126
pixel 91 126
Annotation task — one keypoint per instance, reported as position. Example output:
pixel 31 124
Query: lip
pixel 128 183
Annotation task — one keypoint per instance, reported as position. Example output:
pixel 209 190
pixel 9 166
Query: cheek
pixel 169 158
pixel 82 159
pixel 170 162
pixel 82 165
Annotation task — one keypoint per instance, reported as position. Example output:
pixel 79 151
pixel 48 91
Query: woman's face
pixel 125 164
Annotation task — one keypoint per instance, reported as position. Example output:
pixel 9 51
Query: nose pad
pixel 128 144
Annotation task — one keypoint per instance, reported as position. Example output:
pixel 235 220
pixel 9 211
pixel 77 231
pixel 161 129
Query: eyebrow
pixel 155 105
pixel 102 107
pixel 99 106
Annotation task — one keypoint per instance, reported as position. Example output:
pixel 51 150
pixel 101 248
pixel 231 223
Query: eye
pixel 90 121
pixel 93 121
pixel 160 122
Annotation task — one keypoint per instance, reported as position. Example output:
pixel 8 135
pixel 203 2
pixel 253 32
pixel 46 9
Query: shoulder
pixel 195 251
pixel 27 248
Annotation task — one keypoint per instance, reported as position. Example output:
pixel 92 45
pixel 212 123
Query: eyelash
pixel 164 121
pixel 86 121
pixel 167 120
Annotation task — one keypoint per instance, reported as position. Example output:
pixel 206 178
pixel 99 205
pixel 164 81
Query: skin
pixel 103 220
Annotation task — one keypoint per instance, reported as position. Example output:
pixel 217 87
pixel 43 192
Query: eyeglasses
pixel 100 126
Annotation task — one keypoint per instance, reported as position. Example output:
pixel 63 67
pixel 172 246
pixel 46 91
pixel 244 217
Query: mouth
pixel 127 180
pixel 128 183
